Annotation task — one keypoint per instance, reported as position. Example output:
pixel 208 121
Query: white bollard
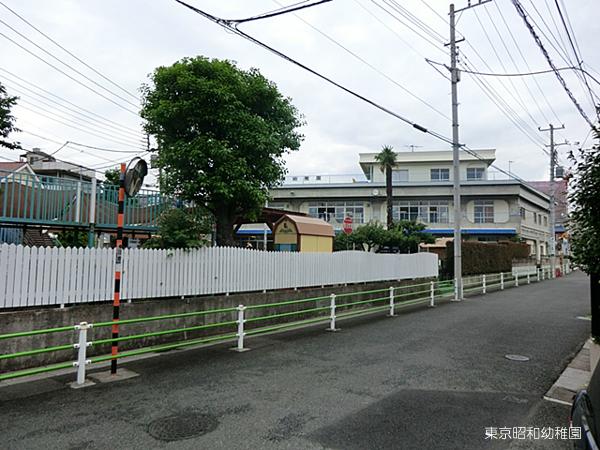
pixel 432 295
pixel 81 347
pixel 332 315
pixel 517 279
pixel 537 272
pixel 240 333
pixel 391 301
pixel 528 278
pixel 501 280
pixel 483 285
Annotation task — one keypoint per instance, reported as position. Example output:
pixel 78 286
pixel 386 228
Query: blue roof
pixel 253 232
pixel 472 230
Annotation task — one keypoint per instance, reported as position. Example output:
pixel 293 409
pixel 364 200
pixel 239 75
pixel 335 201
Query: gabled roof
pixel 309 225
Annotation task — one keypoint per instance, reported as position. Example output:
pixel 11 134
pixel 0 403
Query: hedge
pixel 484 257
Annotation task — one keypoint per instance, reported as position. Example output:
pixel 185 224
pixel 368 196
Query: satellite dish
pixel 137 169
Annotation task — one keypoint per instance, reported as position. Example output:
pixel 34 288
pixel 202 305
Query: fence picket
pixel 51 276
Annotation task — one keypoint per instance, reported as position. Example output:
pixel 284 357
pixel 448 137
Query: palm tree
pixel 387 159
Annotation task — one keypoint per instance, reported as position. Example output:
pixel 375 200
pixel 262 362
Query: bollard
pixel 537 272
pixel 81 347
pixel 432 296
pixel 517 279
pixel 528 278
pixel 483 284
pixel 501 280
pixel 332 316
pixel 240 333
pixel 391 301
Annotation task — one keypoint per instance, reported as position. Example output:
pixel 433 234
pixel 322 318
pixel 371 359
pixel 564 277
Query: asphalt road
pixel 430 378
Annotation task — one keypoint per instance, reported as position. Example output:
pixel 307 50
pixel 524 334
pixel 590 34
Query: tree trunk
pixel 225 220
pixel 388 195
pixel 595 303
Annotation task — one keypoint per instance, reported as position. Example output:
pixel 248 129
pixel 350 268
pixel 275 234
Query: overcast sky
pixel 126 40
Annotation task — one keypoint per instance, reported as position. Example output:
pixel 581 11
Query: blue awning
pixel 472 231
pixel 252 232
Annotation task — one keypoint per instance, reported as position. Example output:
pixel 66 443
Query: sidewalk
pixel 575 377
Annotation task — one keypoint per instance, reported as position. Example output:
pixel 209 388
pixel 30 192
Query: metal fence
pixel 38 276
pixel 238 324
pixel 50 201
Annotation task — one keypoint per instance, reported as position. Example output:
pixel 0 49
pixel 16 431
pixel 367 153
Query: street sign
pixel 347 227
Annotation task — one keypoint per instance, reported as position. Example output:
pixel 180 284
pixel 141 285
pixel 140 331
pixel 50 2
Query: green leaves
pixel 404 237
pixel 179 228
pixel 7 120
pixel 221 134
pixel 584 224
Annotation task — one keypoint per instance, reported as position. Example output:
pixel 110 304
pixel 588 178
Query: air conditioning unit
pixel 559 172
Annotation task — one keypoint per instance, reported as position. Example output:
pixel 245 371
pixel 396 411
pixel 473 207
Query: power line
pixel 518 47
pixel 109 121
pixel 425 38
pixel 65 64
pixel 577 55
pixel 445 139
pixel 361 59
pixel 533 33
pixel 283 10
pixel 520 99
pixel 91 121
pixel 67 75
pixel 255 41
pixel 71 53
pixel 101 136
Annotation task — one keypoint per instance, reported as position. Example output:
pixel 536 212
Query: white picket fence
pixel 35 276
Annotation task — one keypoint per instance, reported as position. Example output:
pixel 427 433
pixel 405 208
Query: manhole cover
pixel 182 426
pixel 517 357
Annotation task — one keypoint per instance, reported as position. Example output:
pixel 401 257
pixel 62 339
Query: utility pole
pixel 455 78
pixel 551 226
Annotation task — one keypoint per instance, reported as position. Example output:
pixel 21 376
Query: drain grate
pixel 182 426
pixel 520 358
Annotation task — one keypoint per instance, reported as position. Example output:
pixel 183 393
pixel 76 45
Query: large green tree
pixel 387 160
pixel 7 120
pixel 221 133
pixel 585 221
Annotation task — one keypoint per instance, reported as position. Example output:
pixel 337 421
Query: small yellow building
pixel 302 234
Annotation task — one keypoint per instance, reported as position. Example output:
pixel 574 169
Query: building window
pixel 535 218
pixel 545 221
pixel 522 212
pixel 399 176
pixel 484 211
pixel 475 173
pixel 337 211
pixel 424 211
pixel 440 174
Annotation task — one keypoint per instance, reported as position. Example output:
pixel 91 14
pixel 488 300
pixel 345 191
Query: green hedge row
pixel 484 257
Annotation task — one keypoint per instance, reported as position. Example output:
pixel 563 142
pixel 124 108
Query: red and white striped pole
pixel 117 293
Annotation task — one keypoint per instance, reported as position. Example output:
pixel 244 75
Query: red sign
pixel 347 225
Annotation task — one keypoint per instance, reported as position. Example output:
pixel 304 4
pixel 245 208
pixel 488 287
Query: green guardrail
pixel 397 297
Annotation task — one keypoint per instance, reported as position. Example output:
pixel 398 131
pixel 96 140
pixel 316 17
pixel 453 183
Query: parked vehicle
pixel 585 413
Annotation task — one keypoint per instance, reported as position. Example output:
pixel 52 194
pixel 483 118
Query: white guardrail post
pixel 81 347
pixel 432 295
pixel 528 278
pixel 240 332
pixel 517 279
pixel 483 285
pixel 332 315
pixel 537 272
pixel 501 280
pixel 391 301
